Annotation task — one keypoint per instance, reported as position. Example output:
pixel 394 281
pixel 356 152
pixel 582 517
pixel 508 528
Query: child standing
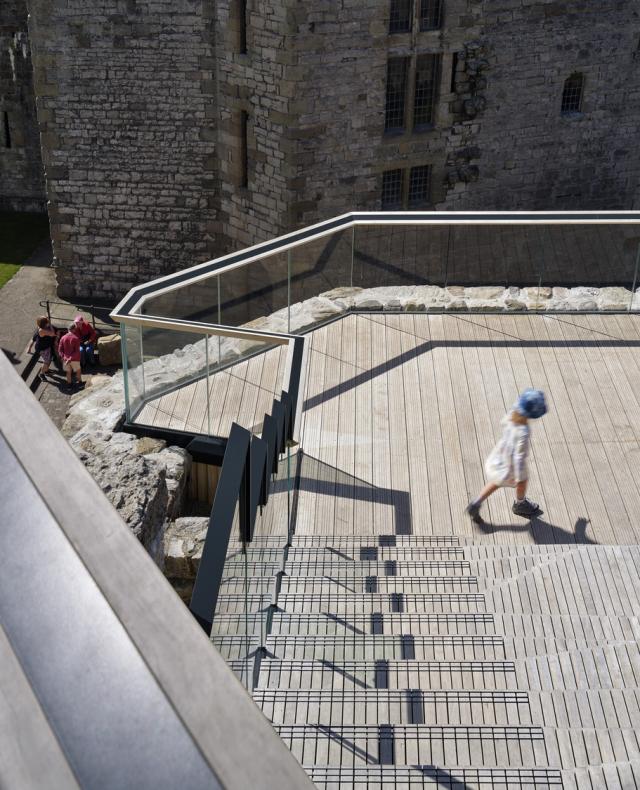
pixel 44 340
pixel 507 463
pixel 69 350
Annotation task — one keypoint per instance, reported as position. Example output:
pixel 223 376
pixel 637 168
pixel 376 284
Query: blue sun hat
pixel 531 404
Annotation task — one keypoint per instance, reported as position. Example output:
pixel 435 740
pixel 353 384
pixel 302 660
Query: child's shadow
pixel 542 531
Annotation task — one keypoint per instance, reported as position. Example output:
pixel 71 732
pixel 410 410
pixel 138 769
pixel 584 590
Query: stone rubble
pixel 183 543
pixel 142 478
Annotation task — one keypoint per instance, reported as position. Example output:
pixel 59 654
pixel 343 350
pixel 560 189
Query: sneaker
pixel 473 509
pixel 42 377
pixel 525 508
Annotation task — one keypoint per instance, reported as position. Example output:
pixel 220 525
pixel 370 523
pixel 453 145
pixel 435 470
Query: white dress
pixel 507 462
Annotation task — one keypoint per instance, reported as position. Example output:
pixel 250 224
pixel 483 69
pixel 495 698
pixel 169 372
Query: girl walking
pixel 507 462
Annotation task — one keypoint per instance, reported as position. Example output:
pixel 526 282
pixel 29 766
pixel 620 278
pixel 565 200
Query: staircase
pixel 405 661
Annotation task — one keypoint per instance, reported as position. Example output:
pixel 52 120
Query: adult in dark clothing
pixel 44 340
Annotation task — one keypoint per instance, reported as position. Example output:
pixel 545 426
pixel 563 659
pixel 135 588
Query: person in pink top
pixel 69 350
pixel 88 339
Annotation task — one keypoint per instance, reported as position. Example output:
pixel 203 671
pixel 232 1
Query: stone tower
pixel 21 176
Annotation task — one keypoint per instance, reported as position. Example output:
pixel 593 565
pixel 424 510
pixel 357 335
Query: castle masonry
pixel 21 177
pixel 173 132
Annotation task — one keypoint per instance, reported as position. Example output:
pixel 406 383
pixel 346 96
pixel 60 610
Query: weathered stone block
pixel 614 299
pixel 456 305
pixel 539 294
pixel 484 292
pixel 183 544
pixel 109 350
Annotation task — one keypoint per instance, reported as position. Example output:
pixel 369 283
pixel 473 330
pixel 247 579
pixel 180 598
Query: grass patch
pixel 20 236
pixel 7 270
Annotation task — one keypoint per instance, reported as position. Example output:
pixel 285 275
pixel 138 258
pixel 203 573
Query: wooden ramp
pixel 400 412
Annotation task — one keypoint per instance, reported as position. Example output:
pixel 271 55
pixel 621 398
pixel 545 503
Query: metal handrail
pixel 135 298
pixel 214 330
pixel 46 303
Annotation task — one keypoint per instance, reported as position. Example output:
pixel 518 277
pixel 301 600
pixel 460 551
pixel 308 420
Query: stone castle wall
pixel 21 177
pixel 127 113
pixel 499 140
pixel 145 108
pixel 342 51
pixel 528 154
pixel 255 79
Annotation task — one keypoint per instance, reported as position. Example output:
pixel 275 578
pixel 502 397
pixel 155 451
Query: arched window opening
pixel 572 94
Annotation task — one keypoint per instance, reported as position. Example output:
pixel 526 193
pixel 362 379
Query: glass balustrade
pixel 200 381
pixel 408 262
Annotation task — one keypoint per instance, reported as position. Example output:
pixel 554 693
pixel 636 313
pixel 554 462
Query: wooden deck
pixel 400 412
pixel 241 393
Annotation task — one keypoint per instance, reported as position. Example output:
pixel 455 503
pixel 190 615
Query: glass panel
pixel 242 387
pixel 316 268
pixel 175 380
pixel 430 14
pixel 255 295
pixel 233 630
pixel 133 369
pixel 400 255
pixel 419 186
pixel 465 258
pixel 191 302
pixel 243 613
pixel 426 88
pixel 400 16
pixel 397 70
pixel 391 199
pixel 201 384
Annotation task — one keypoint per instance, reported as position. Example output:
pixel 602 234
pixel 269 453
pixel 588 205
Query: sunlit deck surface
pixel 240 393
pixel 400 412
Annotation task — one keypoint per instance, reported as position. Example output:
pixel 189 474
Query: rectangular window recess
pixel 419 186
pixel 454 71
pixel 244 152
pixel 430 14
pixel 7 130
pixel 427 78
pixel 392 190
pixel 400 16
pixel 242 38
pixel 397 71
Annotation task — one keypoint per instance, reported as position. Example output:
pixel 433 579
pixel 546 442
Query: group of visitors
pixel 71 350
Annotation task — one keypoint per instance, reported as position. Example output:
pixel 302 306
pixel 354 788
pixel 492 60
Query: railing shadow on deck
pixel 318 477
pixel 429 345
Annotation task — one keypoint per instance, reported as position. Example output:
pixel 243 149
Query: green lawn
pixel 20 235
pixel 7 270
